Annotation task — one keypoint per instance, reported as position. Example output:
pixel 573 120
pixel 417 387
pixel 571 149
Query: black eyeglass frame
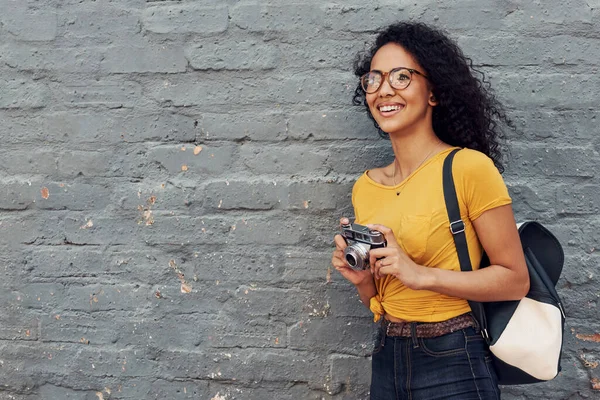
pixel 388 75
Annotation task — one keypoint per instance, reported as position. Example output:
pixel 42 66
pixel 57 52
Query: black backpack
pixel 525 336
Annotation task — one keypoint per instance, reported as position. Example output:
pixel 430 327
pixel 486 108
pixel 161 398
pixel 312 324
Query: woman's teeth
pixel 389 108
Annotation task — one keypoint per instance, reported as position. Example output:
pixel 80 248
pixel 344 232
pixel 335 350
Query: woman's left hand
pixel 392 260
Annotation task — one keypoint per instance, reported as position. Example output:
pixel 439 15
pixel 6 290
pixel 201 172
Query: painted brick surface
pixel 173 173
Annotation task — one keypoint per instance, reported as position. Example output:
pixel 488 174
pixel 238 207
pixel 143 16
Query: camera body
pixel 360 240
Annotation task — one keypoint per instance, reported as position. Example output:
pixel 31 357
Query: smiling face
pixel 400 110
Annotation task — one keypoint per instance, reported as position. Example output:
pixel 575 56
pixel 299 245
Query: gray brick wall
pixel 173 173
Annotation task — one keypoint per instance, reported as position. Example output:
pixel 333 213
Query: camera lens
pixel 357 256
pixel 351 260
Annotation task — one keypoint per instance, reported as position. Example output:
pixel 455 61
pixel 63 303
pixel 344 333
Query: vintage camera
pixel 360 240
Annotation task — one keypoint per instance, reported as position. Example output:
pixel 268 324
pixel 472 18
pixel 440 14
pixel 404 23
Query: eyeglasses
pixel 399 78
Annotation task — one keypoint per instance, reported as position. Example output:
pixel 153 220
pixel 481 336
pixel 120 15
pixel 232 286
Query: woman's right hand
pixel 339 261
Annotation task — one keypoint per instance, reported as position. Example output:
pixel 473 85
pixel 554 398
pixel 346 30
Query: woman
pixel 421 92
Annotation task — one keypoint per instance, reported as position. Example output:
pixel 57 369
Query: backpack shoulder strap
pixel 457 227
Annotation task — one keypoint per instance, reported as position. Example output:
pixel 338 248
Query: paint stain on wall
pixel 589 338
pixel 146 216
pixel 87 225
pixel 45 193
pixel 185 286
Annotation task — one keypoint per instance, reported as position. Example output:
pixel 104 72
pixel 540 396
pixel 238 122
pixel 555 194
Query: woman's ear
pixel 432 100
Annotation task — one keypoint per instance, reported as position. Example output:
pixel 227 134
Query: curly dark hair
pixel 468 113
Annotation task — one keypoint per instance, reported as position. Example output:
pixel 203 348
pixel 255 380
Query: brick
pixel 256 17
pixel 317 196
pixel 146 265
pixel 21 93
pixel 343 335
pixel 81 329
pixel 322 53
pixel 87 229
pixel 63 60
pixel 366 17
pixel 269 231
pixel 543 20
pixel 350 370
pixel 159 128
pixel 18 328
pixel 580 302
pixel 12 265
pixel 27 229
pixel 128 59
pixel 302 88
pixel 31 25
pixel 275 159
pixel 255 333
pixel 591 234
pixel 32 296
pixel 571 125
pixel 93 298
pixel 86 129
pixel 529 51
pixel 299 390
pixel 285 304
pixel 578 199
pixel 120 329
pixel 343 300
pixel 185 18
pixel 91 164
pixel 264 126
pixel 246 265
pixel 90 22
pixel 332 125
pixel 28 162
pixel 579 270
pixel 186 230
pixel 151 196
pixel 233 55
pixel 532 200
pixel 110 94
pixel 265 195
pixel 74 197
pixel 173 301
pixel 243 366
pixel 165 389
pixel 530 88
pixel 180 159
pixel 308 266
pixel 248 195
pixel 569 233
pixel 49 391
pixel 17 195
pixel 65 262
pixel 357 158
pixel 551 161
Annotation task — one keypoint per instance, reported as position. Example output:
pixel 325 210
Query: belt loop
pixel 477 325
pixel 413 334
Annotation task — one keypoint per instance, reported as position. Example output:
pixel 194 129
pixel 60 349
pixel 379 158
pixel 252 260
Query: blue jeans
pixel 456 366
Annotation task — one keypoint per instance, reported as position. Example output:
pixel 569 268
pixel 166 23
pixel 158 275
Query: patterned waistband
pixel 429 329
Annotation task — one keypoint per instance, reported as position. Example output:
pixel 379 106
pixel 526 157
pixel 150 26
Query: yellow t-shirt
pixel 419 220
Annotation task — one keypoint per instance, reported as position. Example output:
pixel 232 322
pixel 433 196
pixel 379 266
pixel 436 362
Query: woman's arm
pixel 366 290
pixel 505 279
